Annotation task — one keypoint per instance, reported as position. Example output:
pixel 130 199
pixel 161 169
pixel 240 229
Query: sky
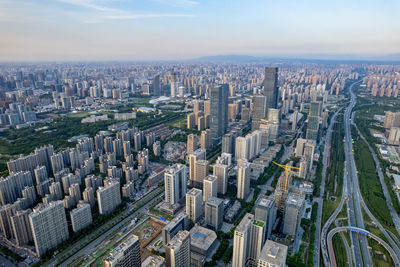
pixel 136 30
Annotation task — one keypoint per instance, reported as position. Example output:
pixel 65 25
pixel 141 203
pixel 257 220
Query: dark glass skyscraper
pixel 218 110
pixel 270 90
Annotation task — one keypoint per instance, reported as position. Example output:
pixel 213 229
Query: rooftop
pixel 273 253
pixel 201 237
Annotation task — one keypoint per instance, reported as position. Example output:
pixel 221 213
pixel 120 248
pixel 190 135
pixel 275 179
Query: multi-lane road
pixel 327 148
pixel 352 196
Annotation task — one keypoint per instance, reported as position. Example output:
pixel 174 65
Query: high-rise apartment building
pixel 108 197
pixel 199 154
pixel 265 211
pixel 177 251
pixel 213 212
pixel 126 253
pixel 294 206
pixel 243 181
pixel 192 143
pixel 49 226
pixel 194 204
pixel 210 187
pixel 221 172
pixel 81 217
pixel 175 179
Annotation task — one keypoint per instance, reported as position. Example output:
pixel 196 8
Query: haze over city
pixel 48 30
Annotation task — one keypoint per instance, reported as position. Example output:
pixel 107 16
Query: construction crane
pixel 287 170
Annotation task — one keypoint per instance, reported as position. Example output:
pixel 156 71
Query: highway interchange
pixel 352 196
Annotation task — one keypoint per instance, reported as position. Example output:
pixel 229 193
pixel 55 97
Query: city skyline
pixel 105 30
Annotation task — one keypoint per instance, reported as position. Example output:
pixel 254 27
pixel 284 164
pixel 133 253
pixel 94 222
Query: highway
pixel 354 198
pixel 361 232
pixel 393 213
pixel 316 255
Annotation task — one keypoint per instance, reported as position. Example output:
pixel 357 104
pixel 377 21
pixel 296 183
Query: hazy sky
pixel 182 29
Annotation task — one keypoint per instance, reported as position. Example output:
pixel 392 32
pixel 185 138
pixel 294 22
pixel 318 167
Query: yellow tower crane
pixel 287 170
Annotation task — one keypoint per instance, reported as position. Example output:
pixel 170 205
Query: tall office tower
pixel 259 111
pixel 126 253
pixel 313 120
pixel 81 217
pixel 178 223
pixel 265 211
pixel 156 85
pixel 205 139
pixel 270 90
pixel 294 206
pixel 210 187
pixel 201 171
pixel 175 183
pixel 29 193
pixel 214 208
pixel 40 174
pixel 272 254
pixel 218 111
pixel 243 181
pixel 228 143
pixel 199 154
pixel 126 145
pixel 88 196
pixel 49 226
pixel 21 228
pixel 221 172
pixel 192 143
pixel 75 192
pixel 241 240
pixel 56 190
pixel 108 197
pixel 194 204
pixel 177 251
pixel 273 123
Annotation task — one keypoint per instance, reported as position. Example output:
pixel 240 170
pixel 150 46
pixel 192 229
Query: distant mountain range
pixel 390 59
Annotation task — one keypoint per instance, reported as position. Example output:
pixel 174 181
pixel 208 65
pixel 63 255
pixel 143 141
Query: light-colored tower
pixel 199 154
pixel 213 212
pixel 210 187
pixel 177 251
pixel 221 172
pixel 243 181
pixel 241 241
pixel 194 204
pixel 49 226
pixel 175 183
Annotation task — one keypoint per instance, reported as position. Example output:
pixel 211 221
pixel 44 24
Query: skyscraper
pixel 241 241
pixel 265 211
pixel 126 253
pixel 259 111
pixel 272 254
pixel 210 187
pixel 243 181
pixel 270 90
pixel 218 110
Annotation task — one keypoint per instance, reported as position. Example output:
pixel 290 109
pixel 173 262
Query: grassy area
pixel 340 250
pixel 370 186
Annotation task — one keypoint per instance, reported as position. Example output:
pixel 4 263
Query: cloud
pixel 178 3
pixel 104 12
